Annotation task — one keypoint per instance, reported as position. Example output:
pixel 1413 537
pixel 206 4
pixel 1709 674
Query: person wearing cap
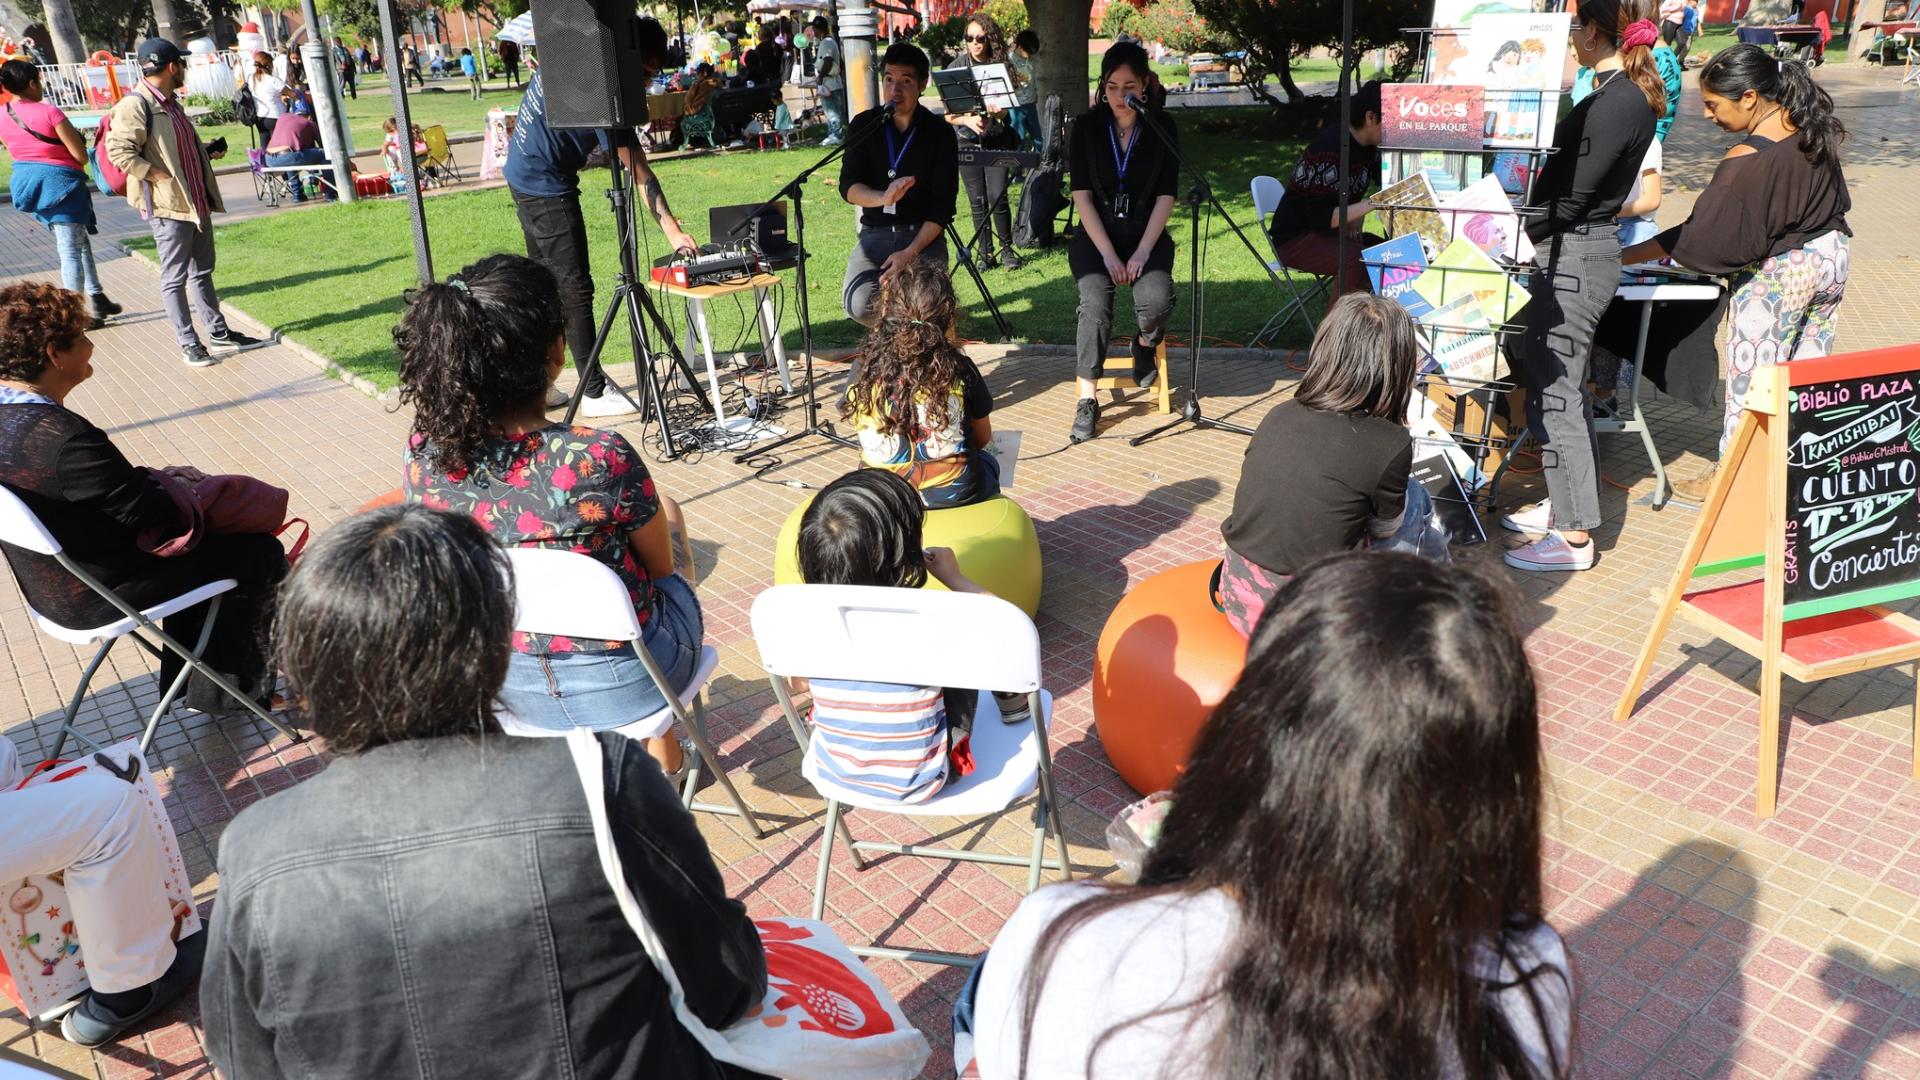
pixel 170 182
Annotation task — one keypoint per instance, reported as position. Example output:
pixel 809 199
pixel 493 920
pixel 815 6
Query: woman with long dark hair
pixel 478 354
pixel 1598 151
pixel 918 405
pixel 268 93
pixel 1348 883
pixel 1773 221
pixel 1124 183
pixel 986 187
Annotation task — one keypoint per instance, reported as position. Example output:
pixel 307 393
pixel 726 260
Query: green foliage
pixel 219 110
pixel 114 24
pixel 1179 26
pixel 1120 17
pixel 1275 33
pixel 943 39
pixel 1010 14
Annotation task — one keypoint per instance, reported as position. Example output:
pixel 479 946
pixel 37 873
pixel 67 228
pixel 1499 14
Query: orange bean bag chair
pixel 389 498
pixel 1166 657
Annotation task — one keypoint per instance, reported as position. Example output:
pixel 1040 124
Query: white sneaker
pixel 608 402
pixel 1552 553
pixel 1537 518
pixel 829 141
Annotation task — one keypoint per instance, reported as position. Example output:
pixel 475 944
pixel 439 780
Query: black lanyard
pixel 895 157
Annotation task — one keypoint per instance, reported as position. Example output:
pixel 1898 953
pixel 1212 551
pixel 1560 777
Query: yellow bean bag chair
pixel 993 540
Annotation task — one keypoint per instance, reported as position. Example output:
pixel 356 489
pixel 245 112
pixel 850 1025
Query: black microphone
pixel 888 108
pixel 1134 103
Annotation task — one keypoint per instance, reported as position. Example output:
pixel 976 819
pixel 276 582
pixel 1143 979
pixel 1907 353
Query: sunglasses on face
pixel 976 37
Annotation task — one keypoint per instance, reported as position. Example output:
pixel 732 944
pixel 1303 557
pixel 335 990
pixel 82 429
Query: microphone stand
pixel 1191 412
pixel 793 189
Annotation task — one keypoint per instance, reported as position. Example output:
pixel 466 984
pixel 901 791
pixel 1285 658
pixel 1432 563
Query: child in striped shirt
pixel 886 739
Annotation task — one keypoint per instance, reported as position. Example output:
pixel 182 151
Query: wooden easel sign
pixel 1820 488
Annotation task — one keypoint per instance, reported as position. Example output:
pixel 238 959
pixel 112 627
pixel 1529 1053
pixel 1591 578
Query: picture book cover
pixel 1435 117
pixel 1463 12
pixel 1393 268
pixel 1463 268
pixel 1483 214
pixel 1521 117
pixel 1519 51
pixel 1461 341
pixel 1515 172
pixel 1409 207
pixel 1447 170
pixel 1450 56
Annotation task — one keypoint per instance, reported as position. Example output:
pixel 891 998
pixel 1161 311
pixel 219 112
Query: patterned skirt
pixel 1783 309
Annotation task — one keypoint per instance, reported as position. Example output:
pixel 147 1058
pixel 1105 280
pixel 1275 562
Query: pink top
pixel 38 116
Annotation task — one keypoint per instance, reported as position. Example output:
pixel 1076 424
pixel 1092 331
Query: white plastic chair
pixel 22 528
pixel 1267 193
pixel 564 592
pixel 919 637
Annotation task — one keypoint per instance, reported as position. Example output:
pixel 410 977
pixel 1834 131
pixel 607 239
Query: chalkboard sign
pixel 1853 474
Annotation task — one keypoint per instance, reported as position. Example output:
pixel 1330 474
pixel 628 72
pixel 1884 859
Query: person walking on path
pixel 470 67
pixel 510 56
pixel 170 182
pixel 50 179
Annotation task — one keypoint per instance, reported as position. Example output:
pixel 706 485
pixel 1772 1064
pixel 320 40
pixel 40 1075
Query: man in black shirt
pixel 1306 225
pixel 902 169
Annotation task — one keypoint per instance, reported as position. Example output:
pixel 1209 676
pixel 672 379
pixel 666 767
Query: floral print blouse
pixel 574 489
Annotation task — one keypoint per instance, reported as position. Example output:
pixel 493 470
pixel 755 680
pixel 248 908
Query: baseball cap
pixel 156 53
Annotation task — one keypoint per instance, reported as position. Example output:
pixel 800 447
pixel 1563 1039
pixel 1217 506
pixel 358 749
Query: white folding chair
pixel 564 592
pixel 1267 193
pixel 888 635
pixel 21 527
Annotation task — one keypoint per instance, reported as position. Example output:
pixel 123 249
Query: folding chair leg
pixel 1039 845
pixel 180 679
pixel 79 695
pixel 698 733
pixel 826 858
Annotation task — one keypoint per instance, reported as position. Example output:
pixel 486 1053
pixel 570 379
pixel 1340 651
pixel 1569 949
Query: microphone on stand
pixel 1134 103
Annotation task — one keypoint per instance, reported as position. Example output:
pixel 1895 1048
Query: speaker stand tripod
pixel 631 293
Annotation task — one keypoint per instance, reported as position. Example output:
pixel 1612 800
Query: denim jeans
pixel 556 236
pixel 314 156
pixel 76 257
pixel 1573 279
pixel 603 690
pixel 834 104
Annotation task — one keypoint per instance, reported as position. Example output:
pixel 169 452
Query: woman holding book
pixel 1773 220
pixel 1597 152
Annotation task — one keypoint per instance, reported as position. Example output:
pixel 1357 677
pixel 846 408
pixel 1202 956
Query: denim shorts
pixel 603 690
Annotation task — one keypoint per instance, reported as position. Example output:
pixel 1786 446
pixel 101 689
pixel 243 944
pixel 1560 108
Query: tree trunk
pixel 64 30
pixel 163 19
pixel 1061 65
pixel 1286 79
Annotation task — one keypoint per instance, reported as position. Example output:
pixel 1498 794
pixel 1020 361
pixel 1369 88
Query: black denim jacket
pixel 435 908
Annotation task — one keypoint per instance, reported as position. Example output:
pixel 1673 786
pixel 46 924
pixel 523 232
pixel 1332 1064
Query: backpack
pixel 245 110
pixel 1044 194
pixel 108 176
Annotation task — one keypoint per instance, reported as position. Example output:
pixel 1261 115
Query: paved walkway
pixel 1708 944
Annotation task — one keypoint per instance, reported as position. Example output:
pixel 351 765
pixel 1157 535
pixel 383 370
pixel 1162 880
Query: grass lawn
pixel 331 276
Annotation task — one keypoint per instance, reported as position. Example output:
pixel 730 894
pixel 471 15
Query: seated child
pixel 885 739
pixel 920 407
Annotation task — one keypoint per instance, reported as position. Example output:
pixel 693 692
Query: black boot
pixel 1146 369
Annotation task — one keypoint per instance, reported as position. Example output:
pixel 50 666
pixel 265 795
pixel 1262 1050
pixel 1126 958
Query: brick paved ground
pixel 1709 944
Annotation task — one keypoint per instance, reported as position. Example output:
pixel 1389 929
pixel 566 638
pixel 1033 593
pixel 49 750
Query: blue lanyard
pixel 894 157
pixel 1120 163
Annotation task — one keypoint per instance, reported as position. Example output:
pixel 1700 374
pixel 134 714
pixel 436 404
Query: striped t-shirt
pixel 881 739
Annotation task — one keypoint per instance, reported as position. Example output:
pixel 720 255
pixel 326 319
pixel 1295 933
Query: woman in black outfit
pixel 991 130
pixel 97 504
pixel 1576 268
pixel 1124 183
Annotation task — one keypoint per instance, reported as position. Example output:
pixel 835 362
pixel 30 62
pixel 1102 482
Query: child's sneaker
pixel 1014 707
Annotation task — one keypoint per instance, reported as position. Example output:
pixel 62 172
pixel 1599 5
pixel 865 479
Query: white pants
pixel 92 826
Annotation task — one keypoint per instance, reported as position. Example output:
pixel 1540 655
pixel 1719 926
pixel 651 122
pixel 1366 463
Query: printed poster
pixel 1430 117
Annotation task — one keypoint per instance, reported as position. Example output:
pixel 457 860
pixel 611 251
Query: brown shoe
pixel 1691 484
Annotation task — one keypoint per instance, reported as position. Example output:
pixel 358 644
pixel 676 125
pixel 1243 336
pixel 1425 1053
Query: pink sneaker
pixel 1552 553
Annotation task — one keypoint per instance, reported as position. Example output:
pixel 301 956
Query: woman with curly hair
pixel 98 505
pixel 992 130
pixel 478 354
pixel 919 405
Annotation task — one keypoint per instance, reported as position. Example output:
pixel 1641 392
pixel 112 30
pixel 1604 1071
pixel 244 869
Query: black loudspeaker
pixel 590 63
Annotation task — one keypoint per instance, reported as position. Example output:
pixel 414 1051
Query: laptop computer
pixel 769 234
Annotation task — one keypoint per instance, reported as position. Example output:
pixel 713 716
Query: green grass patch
pixel 342 294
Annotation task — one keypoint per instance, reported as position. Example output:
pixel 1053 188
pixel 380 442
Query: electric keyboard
pixel 999 159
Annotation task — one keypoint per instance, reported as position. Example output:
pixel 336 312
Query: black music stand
pixel 960 92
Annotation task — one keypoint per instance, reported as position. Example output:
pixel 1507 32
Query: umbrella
pixel 519 29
